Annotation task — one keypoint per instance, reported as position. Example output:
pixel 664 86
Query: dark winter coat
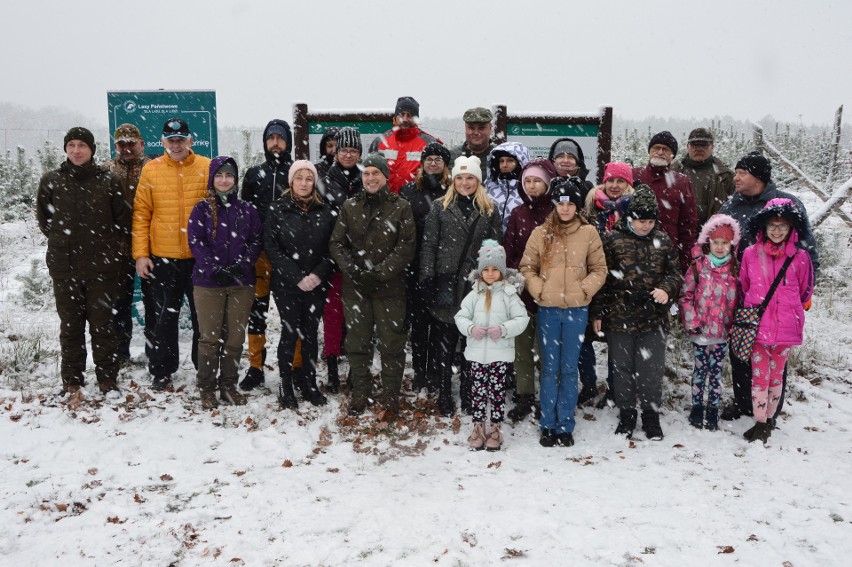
pixel 268 181
pixel 445 237
pixel 743 208
pixel 583 171
pixel 712 183
pixel 372 243
pixel 637 265
pixel 505 188
pixel 237 239
pixel 523 220
pixel 86 216
pixel 129 172
pixel 325 161
pixel 677 216
pixel 296 242
pixel 421 200
pixel 463 150
pixel 340 184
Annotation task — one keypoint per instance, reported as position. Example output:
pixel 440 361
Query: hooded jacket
pixel 167 193
pixel 237 238
pixel 325 161
pixel 505 188
pixel 402 147
pixel 267 182
pixel 507 312
pixel 677 215
pixel 583 171
pixel 84 213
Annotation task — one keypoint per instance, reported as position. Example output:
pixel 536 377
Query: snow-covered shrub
pixel 36 289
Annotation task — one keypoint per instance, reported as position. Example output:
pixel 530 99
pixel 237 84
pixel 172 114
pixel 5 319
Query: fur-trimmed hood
pixel 785 209
pixel 715 222
pixel 512 283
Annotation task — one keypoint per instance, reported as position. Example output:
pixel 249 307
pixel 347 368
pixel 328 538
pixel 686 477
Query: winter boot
pixel 494 440
pixel 606 400
pixel 548 438
pixel 762 432
pixel 357 406
pixel 332 384
pixel 465 388
pixel 229 393
pixel 208 400
pixel 161 383
pixel 254 378
pixel 696 416
pixel 286 395
pixel 587 393
pixel 523 407
pixel 651 425
pixel 626 422
pixel 711 419
pixel 107 386
pixel 307 386
pixel 476 441
pixel 445 394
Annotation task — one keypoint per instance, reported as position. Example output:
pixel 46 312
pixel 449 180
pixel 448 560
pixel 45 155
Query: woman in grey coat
pixel 453 234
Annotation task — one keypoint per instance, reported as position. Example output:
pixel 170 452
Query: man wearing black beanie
pixel 83 211
pixel 754 189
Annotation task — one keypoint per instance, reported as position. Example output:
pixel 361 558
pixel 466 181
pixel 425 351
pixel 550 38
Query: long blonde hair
pixel 480 199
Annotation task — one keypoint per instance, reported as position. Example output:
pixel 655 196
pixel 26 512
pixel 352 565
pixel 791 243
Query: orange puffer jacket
pixel 165 196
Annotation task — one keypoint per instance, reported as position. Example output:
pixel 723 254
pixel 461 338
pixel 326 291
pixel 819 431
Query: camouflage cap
pixel 478 115
pixel 700 135
pixel 127 133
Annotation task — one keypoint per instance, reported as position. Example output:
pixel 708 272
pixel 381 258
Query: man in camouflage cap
pixel 477 134
pixel 127 165
pixel 712 180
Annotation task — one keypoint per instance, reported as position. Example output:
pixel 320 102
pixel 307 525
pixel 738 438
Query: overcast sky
pixel 788 59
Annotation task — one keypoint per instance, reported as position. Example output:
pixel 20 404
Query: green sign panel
pixel 369 132
pixel 559 130
pixel 148 110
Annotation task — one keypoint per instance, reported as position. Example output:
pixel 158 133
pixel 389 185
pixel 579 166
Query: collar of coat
pixel 512 283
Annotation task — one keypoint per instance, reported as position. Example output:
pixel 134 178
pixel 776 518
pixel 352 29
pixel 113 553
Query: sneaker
pixel 696 416
pixel 565 439
pixel 476 441
pixel 494 440
pixel 548 438
pixel 230 395
pixel 254 378
pixel 161 383
pixel 208 400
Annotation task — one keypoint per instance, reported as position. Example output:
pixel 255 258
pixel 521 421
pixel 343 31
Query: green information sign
pixel 539 137
pixel 148 110
pixel 369 132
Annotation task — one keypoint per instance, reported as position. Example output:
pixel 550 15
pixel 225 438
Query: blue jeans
pixel 561 333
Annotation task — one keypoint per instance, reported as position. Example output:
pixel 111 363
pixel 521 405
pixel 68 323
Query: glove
pixel 478 333
pixel 807 305
pixel 495 333
pixel 222 277
pixel 228 276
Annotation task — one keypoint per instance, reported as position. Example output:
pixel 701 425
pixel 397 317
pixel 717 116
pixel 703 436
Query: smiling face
pixel 78 152
pixel 223 182
pixel 433 165
pixel 491 274
pixel 373 179
pixel 465 184
pixel 720 247
pixel 177 147
pixel 566 165
pixel 348 157
pixel 614 187
pixel 303 184
pixel 777 230
pixel 477 136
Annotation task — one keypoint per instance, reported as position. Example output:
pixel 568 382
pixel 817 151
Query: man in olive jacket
pixel 372 243
pixel 83 211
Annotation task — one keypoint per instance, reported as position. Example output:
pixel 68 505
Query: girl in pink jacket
pixel 708 298
pixel 777 229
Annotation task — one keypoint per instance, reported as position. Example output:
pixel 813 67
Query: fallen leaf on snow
pixel 287 464
pixel 333 470
pixel 725 549
pixel 495 465
pixel 512 553
pixel 166 477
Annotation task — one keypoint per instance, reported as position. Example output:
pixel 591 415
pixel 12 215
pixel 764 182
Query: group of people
pixel 477 255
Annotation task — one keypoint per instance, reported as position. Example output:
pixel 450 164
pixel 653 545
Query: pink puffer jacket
pixel 708 297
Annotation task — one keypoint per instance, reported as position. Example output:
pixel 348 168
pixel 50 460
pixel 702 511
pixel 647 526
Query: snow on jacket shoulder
pixel 167 192
pixel 507 311
pixel 708 297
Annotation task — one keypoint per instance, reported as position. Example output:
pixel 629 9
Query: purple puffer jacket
pixel 783 321
pixel 708 297
pixel 237 240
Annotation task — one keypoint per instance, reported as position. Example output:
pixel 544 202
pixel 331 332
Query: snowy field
pixel 144 478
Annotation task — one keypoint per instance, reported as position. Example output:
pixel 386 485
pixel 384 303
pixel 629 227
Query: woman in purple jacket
pixel 224 236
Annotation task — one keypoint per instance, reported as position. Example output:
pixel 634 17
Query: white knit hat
pixel 471 165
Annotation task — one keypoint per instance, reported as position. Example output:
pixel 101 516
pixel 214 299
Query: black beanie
pixel 407 104
pixel 757 165
pixel 569 189
pixel 435 149
pixel 348 137
pixel 80 133
pixel 666 139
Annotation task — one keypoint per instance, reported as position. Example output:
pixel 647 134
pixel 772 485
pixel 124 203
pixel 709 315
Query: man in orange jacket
pixel 168 190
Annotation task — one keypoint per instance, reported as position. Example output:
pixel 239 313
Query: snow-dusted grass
pixel 149 479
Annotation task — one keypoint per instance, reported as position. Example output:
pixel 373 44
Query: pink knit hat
pixel 616 169
pixel 298 165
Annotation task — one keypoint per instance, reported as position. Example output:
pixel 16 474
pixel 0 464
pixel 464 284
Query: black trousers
pixel 300 316
pixel 122 319
pixel 163 292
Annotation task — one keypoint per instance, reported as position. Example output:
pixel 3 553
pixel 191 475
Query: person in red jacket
pixel 678 213
pixel 402 145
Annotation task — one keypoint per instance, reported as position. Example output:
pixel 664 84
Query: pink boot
pixel 477 438
pixel 495 438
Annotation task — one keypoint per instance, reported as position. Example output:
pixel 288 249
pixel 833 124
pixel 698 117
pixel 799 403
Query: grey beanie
pixel 492 254
pixel 378 161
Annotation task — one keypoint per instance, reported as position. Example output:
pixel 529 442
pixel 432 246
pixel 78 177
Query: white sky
pixel 669 59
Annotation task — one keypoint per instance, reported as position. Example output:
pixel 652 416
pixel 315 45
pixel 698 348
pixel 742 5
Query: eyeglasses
pixel 778 227
pixel 348 152
pixel 434 161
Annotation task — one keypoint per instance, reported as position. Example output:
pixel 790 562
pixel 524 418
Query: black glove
pixel 228 276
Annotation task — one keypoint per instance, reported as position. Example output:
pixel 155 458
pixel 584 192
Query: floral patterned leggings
pixel 767 379
pixel 708 368
pixel 488 383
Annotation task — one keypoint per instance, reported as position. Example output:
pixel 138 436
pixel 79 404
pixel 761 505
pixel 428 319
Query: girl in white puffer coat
pixel 491 316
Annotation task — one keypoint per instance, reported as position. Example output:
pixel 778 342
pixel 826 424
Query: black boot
pixel 332 384
pixel 465 387
pixel 606 400
pixel 760 431
pixel 626 422
pixel 651 425
pixel 587 393
pixel 307 384
pixel 286 395
pixel 445 393
pixel 696 416
pixel 254 378
pixel 711 419
pixel 523 407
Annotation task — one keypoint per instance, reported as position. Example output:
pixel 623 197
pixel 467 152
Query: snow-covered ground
pixel 145 478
